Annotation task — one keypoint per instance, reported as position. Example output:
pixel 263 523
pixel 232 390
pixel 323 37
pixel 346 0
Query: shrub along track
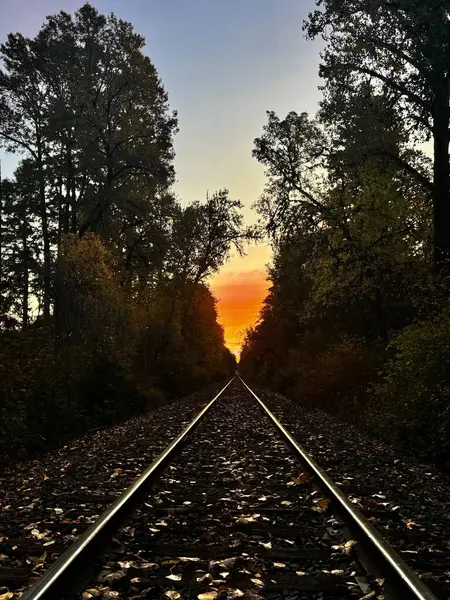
pixel 233 516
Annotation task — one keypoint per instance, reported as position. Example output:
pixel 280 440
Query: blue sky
pixel 223 63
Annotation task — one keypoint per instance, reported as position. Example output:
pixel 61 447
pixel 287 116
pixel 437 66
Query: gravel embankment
pixel 408 501
pixel 46 503
pixel 249 524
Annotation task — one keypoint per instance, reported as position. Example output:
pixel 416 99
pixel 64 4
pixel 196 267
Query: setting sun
pixel 240 289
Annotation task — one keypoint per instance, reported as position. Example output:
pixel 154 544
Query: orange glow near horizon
pixel 240 289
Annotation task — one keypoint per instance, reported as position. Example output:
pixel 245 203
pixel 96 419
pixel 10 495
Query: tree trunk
pixel 46 240
pixel 25 259
pixel 441 184
pixel 71 190
pixel 1 236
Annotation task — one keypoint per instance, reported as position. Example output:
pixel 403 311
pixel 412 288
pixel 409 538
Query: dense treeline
pixel 357 204
pixel 104 308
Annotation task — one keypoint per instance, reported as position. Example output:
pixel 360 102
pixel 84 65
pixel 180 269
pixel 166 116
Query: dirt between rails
pixel 46 503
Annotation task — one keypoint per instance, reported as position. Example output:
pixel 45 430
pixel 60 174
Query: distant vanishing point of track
pixel 233 507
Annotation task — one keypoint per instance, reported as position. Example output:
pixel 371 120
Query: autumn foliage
pixel 356 319
pixel 104 309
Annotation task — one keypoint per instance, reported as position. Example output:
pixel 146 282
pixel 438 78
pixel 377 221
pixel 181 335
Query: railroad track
pixel 233 507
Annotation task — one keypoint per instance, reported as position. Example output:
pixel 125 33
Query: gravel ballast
pixel 47 503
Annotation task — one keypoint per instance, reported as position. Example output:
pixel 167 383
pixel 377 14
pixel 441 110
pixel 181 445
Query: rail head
pixel 402 579
pixel 67 573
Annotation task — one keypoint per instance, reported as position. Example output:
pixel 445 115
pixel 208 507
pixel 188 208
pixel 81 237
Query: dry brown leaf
pixel 172 594
pixel 207 596
pixel 302 478
pixel 7 596
pixel 322 505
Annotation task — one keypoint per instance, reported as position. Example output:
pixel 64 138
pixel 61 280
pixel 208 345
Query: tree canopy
pixel 357 207
pixel 103 272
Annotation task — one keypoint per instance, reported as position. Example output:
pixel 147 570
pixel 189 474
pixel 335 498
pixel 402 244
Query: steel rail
pixel 399 576
pixel 71 567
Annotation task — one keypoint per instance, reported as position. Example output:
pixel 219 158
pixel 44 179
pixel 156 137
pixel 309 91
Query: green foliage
pixel 400 50
pixel 348 207
pixel 102 366
pixel 413 397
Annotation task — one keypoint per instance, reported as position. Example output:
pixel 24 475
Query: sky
pixel 224 63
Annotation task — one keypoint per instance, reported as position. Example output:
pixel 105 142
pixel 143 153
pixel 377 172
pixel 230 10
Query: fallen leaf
pixel 348 546
pixel 207 596
pixel 174 577
pixel 172 594
pixel 322 505
pixel 7 596
pixel 302 478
